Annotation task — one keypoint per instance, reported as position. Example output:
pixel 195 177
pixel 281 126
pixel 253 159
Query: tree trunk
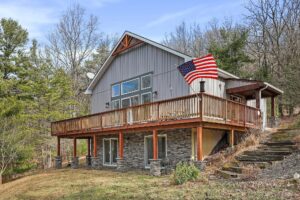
pixel 1 179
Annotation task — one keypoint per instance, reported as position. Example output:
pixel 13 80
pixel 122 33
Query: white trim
pixel 114 101
pixel 110 164
pixel 130 100
pixel 146 150
pixel 150 82
pixel 273 87
pixel 145 94
pixel 129 81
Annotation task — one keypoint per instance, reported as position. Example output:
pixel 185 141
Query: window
pixel 130 101
pixel 147 97
pixel 162 148
pixel 115 104
pixel 115 90
pixel 146 82
pixel 130 86
pixel 110 151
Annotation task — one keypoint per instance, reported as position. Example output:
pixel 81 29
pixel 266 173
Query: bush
pixel 185 172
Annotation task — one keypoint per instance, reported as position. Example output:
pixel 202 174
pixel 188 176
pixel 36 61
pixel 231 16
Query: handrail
pixel 211 109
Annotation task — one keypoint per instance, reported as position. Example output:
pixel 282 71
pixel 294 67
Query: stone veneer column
pixel 121 165
pixel 88 161
pixel 95 162
pixel 155 167
pixel 58 162
pixel 75 162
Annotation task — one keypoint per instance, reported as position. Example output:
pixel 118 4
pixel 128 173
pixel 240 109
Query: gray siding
pixel 167 81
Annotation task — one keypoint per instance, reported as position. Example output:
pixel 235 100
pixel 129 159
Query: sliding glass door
pixel 110 151
pixel 162 148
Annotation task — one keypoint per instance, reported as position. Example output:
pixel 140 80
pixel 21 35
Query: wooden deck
pixel 187 111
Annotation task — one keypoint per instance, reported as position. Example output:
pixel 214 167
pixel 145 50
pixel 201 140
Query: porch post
pixel 231 138
pixel 199 143
pixel 155 163
pixel 121 145
pixel 88 156
pixel 155 145
pixel 121 165
pixel 58 158
pixel 257 98
pixel 272 120
pixel 95 159
pixel 75 160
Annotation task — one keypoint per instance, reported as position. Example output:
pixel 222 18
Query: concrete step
pixel 266 152
pixel 242 158
pixel 281 143
pixel 261 165
pixel 238 170
pixel 228 174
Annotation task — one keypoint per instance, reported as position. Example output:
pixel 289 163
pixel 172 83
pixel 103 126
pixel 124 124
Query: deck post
pixel 75 160
pixel 155 163
pixel 120 160
pixel 95 158
pixel 231 138
pixel 257 98
pixel 199 143
pixel 88 156
pixel 58 158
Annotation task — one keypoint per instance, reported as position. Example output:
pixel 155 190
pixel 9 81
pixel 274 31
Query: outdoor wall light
pixel 107 105
pixel 154 94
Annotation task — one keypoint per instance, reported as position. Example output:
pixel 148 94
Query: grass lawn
pixel 105 184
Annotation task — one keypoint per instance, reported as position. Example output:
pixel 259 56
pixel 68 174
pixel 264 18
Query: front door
pixel 110 150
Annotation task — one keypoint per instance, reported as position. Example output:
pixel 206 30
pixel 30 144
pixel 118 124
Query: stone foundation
pixel 58 162
pixel 75 163
pixel 155 167
pixel 95 162
pixel 121 165
pixel 200 165
pixel 88 161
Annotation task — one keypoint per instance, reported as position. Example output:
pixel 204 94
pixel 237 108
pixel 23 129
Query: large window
pixel 130 86
pixel 146 81
pixel 162 148
pixel 132 92
pixel 115 90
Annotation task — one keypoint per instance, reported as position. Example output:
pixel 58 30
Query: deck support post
pixel 231 138
pixel 155 163
pixel 58 158
pixel 257 99
pixel 75 160
pixel 95 158
pixel 120 160
pixel 199 143
pixel 88 156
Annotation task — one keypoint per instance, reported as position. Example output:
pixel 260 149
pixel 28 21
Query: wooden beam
pixel 95 145
pixel 155 145
pixel 74 147
pixel 58 146
pixel 89 146
pixel 231 138
pixel 121 145
pixel 244 88
pixel 273 106
pixel 199 143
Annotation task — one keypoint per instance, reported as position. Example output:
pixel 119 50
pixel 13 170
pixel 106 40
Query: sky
pixel 151 19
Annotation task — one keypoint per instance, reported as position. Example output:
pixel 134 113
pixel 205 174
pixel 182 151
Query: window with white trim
pixel 146 81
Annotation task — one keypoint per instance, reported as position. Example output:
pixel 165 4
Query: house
pixel 145 116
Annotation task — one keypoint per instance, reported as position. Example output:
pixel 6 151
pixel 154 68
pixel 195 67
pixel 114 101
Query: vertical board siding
pixel 212 86
pixel 140 60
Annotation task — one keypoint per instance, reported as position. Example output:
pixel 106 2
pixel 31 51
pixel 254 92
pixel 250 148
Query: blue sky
pixel 152 19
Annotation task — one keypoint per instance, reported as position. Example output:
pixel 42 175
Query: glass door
pixel 162 148
pixel 110 148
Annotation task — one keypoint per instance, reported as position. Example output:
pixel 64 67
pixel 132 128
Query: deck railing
pixel 209 109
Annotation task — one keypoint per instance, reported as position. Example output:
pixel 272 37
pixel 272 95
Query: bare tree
pixel 75 38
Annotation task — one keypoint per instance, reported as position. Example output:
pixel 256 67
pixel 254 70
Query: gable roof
pixel 140 39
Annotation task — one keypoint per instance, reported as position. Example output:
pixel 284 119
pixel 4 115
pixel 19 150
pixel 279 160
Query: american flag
pixel 204 67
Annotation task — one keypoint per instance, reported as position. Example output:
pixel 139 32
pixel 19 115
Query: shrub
pixel 185 172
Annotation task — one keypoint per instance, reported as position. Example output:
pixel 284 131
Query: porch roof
pixel 248 88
